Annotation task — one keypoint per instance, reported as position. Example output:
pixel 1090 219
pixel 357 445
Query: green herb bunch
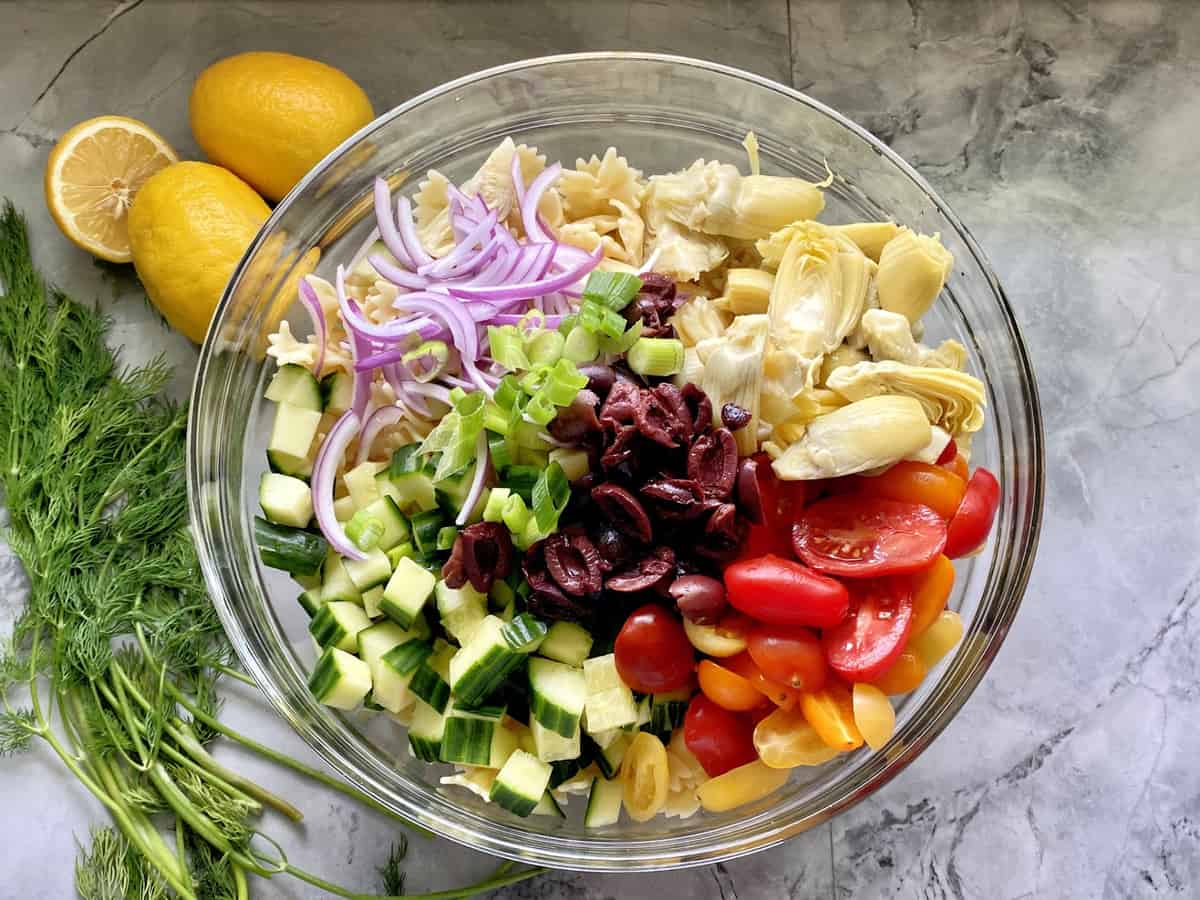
pixel 114 661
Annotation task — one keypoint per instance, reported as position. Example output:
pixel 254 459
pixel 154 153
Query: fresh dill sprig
pixel 390 873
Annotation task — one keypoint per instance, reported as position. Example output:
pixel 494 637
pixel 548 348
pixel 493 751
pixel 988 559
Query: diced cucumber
pixel 610 704
pixel 426 731
pixel 406 592
pixel 521 784
pixel 337 584
pixel 339 679
pixel 548 806
pixel 391 671
pixel 482 664
pixel 337 392
pixel 430 682
pixel 400 551
pixel 493 508
pixel 667 712
pixel 552 746
pixel 461 610
pixel 556 695
pixel 371 600
pixel 288 548
pixel 425 528
pixel 412 480
pixel 563 770
pixel 295 385
pixel 344 508
pixel 285 500
pixel 378 524
pixel 523 633
pixel 567 642
pixel 366 573
pixel 308 582
pixel 604 803
pixel 291 437
pixel 643 713
pixel 603 739
pixel 608 759
pixel 574 462
pixel 477 738
pixel 360 483
pixel 446 537
pixel 452 493
pixel 337 624
pixel 310 601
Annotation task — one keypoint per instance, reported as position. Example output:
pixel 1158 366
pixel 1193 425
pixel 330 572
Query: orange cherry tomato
pixel 830 711
pixel 916 482
pixel 905 674
pixel 727 689
pixel 788 654
pixel 779 694
pixel 958 466
pixel 930 591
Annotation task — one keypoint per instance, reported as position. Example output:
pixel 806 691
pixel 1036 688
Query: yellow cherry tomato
pixel 905 675
pixel 644 771
pixel 740 786
pixel 938 639
pixel 784 739
pixel 831 712
pixel 873 714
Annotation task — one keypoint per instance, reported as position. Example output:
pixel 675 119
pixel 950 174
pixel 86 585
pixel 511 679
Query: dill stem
pixel 116 485
pixel 497 880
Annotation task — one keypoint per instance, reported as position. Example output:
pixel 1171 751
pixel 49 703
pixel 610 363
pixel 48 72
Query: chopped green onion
pixel 613 289
pixel 508 392
pixel 500 451
pixel 531 381
pixel 581 346
pixel 540 409
pixel 538 459
pixel 530 534
pixel 528 435
pixel 364 530
pixel 516 514
pixel 436 349
pixel 534 320
pixel 446 537
pixel 456 394
pixel 656 356
pixel 624 342
pixel 520 480
pixel 508 347
pixel 495 418
pixel 545 347
pixel 551 494
pixel 567 325
pixel 600 319
pixel 563 383
pixel 494 508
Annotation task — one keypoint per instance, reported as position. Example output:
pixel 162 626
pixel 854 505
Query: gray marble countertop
pixel 1063 133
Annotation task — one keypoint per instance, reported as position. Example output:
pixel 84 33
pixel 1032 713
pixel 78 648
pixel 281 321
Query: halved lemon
pixel 91 176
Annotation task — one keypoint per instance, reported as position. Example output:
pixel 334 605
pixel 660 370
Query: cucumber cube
pixel 406 592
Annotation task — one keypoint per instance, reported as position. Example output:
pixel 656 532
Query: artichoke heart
pixel 697 320
pixel 912 269
pixel 733 374
pixel 889 335
pixel 844 355
pixel 858 437
pixel 869 237
pixel 684 254
pixel 716 198
pixel 951 399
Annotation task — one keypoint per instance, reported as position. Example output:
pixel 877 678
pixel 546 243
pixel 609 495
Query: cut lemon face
pixel 91 176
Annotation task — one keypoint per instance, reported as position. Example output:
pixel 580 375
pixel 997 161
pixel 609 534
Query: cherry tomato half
pixel 783 592
pixel 727 689
pixel 863 537
pixel 653 652
pixel 789 654
pixel 948 453
pixel 958 466
pixel 930 591
pixel 720 740
pixel 916 482
pixel 872 638
pixel 779 694
pixel 971 523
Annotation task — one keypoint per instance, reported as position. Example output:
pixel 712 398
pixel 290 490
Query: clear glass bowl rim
pixel 725 843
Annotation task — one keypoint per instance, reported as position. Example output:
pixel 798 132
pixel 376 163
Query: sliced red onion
pixel 333 449
pixel 476 237
pixel 387 224
pixel 529 289
pixel 529 205
pixel 462 326
pixel 481 467
pixel 518 179
pixel 361 253
pixel 408 233
pixel 376 422
pixel 316 312
pixel 396 275
pixel 438 392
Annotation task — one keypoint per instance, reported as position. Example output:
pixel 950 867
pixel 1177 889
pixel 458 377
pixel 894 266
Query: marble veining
pixel 1064 133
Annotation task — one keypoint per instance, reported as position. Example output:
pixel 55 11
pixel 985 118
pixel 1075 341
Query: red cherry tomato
pixel 719 739
pixel 948 453
pixel 970 526
pixel 862 537
pixel 788 654
pixel 783 592
pixel 865 645
pixel 653 652
pixel 764 539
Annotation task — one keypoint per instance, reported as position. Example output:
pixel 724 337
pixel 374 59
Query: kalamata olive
pixel 712 461
pixel 700 598
pixel 644 576
pixel 749 498
pixel 673 498
pixel 624 510
pixel 600 378
pixel 577 421
pixel 620 406
pixel 573 563
pixel 622 448
pixel 734 416
pixel 613 547
pixel 481 554
pixel 723 533
pixel 700 407
pixel 663 416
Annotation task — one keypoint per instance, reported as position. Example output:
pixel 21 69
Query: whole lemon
pixel 189 225
pixel 270 117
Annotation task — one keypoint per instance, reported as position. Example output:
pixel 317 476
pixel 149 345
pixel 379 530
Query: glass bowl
pixel 662 113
